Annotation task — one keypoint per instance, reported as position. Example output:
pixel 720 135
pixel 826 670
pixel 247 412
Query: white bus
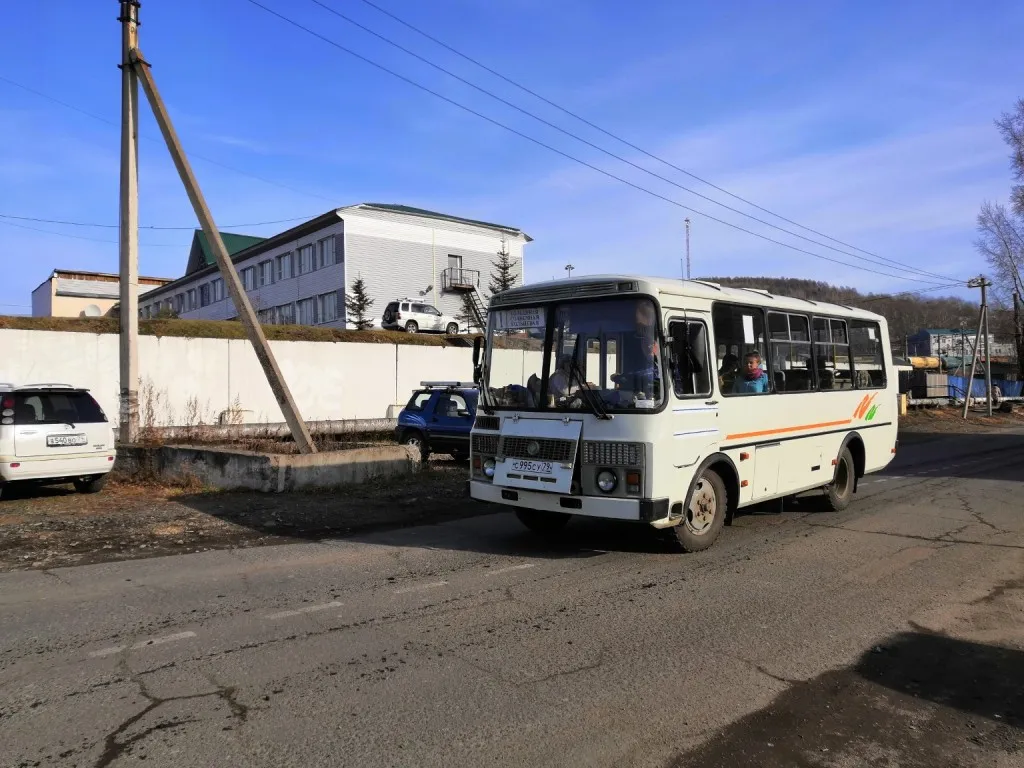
pixel 675 403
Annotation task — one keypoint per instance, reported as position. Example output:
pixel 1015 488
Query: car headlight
pixel 489 467
pixel 607 480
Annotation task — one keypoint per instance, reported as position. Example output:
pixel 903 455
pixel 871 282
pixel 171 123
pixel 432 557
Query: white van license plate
pixel 533 467
pixel 60 441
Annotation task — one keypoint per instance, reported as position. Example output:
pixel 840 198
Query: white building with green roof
pixel 302 275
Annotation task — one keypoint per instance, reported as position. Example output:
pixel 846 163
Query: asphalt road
pixel 889 634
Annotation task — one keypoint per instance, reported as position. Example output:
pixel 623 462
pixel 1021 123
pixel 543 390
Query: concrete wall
pixel 186 379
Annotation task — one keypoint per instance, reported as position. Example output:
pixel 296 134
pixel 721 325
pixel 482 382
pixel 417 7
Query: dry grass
pixel 212 329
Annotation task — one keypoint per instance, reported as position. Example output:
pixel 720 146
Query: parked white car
pixel 414 316
pixel 54 433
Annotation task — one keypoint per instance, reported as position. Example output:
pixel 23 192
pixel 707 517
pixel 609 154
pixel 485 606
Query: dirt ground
pixel 950 420
pixel 54 526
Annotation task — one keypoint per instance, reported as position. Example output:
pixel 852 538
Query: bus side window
pixel 690 368
pixel 740 333
pixel 868 359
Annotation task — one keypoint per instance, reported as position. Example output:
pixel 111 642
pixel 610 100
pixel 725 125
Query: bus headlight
pixel 489 467
pixel 607 480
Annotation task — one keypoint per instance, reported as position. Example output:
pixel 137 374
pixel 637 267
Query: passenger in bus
pixel 753 378
pixel 560 384
pixel 727 372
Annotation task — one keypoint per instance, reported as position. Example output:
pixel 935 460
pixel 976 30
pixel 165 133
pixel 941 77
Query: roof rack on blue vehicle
pixel 448 384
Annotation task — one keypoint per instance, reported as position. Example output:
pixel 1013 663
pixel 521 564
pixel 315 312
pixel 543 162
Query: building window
pixel 266 316
pixel 327 307
pixel 218 289
pixel 144 312
pixel 286 314
pixel 306 311
pixel 179 303
pixel 325 252
pixel 190 301
pixel 284 266
pixel 205 294
pixel 266 273
pixel 307 262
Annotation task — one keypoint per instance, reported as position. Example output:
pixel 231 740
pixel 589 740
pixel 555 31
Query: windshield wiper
pixel 591 398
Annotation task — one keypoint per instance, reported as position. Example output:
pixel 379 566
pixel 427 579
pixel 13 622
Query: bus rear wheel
pixel 545 523
pixel 839 492
pixel 704 514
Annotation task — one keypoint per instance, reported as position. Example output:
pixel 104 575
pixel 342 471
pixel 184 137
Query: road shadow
pixel 920 700
pixel 978 679
pixel 992 456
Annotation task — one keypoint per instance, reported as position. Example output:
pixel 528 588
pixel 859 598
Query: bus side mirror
pixel 477 345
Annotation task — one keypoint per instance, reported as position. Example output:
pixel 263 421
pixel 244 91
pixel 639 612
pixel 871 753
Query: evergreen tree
pixel 358 304
pixel 467 313
pixel 503 277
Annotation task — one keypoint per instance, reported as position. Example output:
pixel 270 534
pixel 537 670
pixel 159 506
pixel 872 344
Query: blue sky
pixel 868 121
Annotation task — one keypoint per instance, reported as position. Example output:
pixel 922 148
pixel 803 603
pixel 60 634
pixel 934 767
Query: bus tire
pixel 704 514
pixel 545 523
pixel 839 493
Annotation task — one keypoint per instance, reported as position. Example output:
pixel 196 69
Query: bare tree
pixel 1001 242
pixel 1011 126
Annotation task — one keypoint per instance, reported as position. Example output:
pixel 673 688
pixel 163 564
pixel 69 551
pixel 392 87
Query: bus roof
pixel 595 286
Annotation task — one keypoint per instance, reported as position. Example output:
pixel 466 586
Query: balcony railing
pixel 460 279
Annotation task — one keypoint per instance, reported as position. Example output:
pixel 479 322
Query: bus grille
pixel 486 445
pixel 488 422
pixel 548 449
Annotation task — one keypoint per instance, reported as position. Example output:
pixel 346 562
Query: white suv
pixel 413 316
pixel 54 433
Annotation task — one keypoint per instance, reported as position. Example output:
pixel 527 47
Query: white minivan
pixel 53 433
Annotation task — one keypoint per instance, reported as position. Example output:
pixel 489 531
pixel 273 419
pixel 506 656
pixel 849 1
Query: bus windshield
pixel 601 355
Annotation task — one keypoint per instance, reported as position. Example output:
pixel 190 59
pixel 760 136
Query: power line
pixel 614 136
pixel 116 226
pixel 880 260
pixel 573 158
pixel 913 293
pixel 193 155
pixel 80 237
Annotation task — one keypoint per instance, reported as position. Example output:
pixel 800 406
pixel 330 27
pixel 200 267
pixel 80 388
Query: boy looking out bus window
pixel 752 377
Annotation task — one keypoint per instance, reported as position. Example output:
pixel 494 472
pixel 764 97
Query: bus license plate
pixel 533 467
pixel 60 441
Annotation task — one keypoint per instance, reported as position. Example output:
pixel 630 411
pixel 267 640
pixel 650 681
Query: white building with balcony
pixel 303 275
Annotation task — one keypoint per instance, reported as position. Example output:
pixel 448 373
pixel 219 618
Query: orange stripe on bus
pixel 783 430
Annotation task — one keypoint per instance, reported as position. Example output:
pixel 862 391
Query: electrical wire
pixel 192 155
pixel 913 293
pixel 116 226
pixel 81 237
pixel 879 260
pixel 573 158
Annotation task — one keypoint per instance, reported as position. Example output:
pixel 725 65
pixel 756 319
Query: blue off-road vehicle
pixel 438 418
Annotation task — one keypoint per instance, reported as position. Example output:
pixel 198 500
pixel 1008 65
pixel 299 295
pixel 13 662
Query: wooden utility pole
pixel 300 433
pixel 981 282
pixel 1018 333
pixel 128 241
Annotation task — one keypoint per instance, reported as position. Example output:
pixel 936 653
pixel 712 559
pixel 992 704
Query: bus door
pixel 695 424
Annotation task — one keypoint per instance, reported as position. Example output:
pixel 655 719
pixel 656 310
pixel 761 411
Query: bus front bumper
pixel 635 510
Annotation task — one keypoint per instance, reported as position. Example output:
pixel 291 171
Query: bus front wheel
pixel 543 522
pixel 704 515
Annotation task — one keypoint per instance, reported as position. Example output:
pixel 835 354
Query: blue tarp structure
pixel 958 384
